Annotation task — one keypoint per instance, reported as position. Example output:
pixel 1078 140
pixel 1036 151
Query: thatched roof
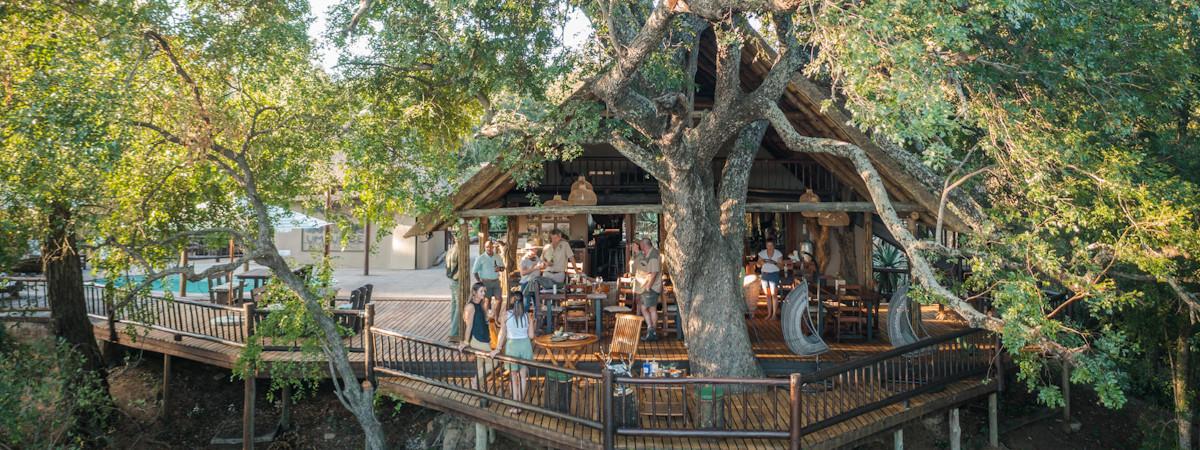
pixel 906 177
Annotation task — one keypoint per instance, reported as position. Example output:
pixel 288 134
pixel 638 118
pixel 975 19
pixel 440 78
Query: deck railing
pixel 567 394
pixel 760 408
pixel 202 320
pixel 849 390
pixel 205 321
pixel 24 294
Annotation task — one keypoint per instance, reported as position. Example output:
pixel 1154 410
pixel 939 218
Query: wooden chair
pixel 624 344
pixel 625 293
pixel 220 292
pixel 851 315
pixel 624 299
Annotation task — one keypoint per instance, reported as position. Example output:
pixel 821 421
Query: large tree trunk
pixel 64 287
pixel 1181 377
pixel 705 233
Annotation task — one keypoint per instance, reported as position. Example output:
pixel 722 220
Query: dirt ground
pixel 1027 425
pixel 207 403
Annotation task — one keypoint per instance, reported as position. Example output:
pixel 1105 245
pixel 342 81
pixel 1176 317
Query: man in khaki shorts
pixel 648 286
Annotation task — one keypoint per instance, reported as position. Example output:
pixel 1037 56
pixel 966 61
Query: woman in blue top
pixel 475 314
pixel 515 339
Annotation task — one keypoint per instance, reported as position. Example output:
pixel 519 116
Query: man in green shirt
pixel 484 271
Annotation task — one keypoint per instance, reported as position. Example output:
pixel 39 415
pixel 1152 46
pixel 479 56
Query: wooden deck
pixel 566 434
pixel 767 410
pixel 427 318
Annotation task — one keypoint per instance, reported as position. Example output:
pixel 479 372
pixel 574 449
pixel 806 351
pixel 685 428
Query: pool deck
pixel 425 284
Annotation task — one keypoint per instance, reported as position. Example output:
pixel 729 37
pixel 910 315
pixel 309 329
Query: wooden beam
pixel 955 430
pixel 463 248
pixel 285 415
pixel 183 262
pixel 510 249
pixel 637 209
pixel 559 210
pixel 166 387
pixel 367 249
pixel 993 422
pixel 248 413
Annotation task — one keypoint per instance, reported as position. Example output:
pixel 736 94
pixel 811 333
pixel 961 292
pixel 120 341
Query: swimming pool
pixel 167 284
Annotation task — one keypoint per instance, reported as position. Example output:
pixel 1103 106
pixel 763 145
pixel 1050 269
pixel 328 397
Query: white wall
pixel 389 252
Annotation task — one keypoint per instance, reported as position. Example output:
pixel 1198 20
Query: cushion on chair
pixel 617 309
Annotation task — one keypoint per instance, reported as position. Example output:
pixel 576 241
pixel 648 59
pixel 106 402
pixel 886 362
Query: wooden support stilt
pixel 462 256
pixel 1066 393
pixel 993 421
pixel 955 431
pixel 248 398
pixel 248 414
pixel 898 439
pixel 166 387
pixel 481 437
pixel 367 250
pixel 183 262
pixel 285 416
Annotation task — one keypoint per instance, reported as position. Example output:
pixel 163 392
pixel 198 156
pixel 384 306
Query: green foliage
pixel 61 79
pixel 290 324
pixel 47 398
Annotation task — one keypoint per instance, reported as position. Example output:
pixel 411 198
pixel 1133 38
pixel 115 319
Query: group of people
pixel 539 270
pixel 515 333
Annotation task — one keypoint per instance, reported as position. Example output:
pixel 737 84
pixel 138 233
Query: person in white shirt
pixel 556 258
pixel 515 340
pixel 529 274
pixel 770 263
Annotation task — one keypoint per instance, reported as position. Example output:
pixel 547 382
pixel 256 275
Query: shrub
pixel 47 398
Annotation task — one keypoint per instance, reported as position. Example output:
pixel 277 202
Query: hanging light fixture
pixel 833 219
pixel 810 197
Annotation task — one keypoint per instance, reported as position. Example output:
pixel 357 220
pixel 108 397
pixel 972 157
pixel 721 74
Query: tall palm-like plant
pixel 887 256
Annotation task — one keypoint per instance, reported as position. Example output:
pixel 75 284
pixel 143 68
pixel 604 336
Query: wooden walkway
pixel 566 434
pixel 427 318
pixel 842 409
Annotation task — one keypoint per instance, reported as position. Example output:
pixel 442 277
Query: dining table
pixel 565 351
pixel 256 277
pixel 550 298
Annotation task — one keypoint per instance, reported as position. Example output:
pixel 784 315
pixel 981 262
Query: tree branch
pixel 363 7
pixel 645 159
pixel 195 88
pixel 921 270
pixel 946 197
pixel 735 176
pixel 643 45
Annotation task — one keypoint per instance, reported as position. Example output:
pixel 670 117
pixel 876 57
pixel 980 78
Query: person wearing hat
pixel 529 269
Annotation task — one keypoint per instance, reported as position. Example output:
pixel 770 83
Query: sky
pixel 573 34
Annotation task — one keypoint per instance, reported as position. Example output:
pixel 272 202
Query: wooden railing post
pixel 796 412
pixel 998 360
pixel 610 428
pixel 110 314
pixel 248 320
pixel 369 344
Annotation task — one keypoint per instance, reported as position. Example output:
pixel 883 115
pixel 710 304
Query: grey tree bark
pixel 358 398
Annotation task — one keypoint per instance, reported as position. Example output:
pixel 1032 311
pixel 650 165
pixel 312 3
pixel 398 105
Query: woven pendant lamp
pixel 810 197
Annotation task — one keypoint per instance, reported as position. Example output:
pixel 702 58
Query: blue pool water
pixel 168 284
